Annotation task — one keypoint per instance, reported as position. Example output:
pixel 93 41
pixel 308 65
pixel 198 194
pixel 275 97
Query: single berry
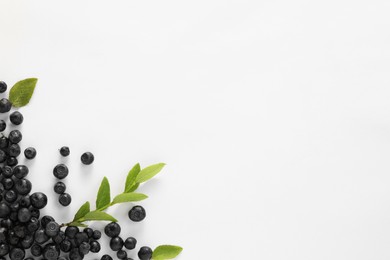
pixel 52 229
pixel 14 150
pixel 15 136
pixel 71 231
pixel 3 87
pixel 30 153
pixel 137 213
pixel 3 125
pixel 16 118
pixel 24 215
pixel 116 243
pixel 59 187
pixel 64 151
pixel 65 199
pixel 130 243
pixel 17 254
pixel 38 200
pixel 60 171
pixel 96 234
pixel 95 246
pixel 51 252
pixel 121 254
pixel 84 248
pixel 87 158
pixel 145 253
pixel 20 171
pixel 36 250
pixel 5 105
pixel 106 257
pixel 112 229
pixel 40 236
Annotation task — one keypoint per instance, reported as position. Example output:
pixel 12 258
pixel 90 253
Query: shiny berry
pixel 30 153
pixel 130 243
pixel 145 253
pixel 16 118
pixel 59 187
pixel 137 213
pixel 60 171
pixel 87 158
pixel 65 199
pixel 64 151
pixel 112 229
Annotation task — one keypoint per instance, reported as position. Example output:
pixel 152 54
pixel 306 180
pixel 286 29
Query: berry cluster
pixel 24 234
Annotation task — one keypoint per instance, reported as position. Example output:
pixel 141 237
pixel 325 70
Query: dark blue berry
pixel 65 199
pixel 3 87
pixel 15 136
pixel 38 200
pixel 87 158
pixel 130 243
pixel 137 213
pixel 24 215
pixel 3 125
pixel 51 252
pixel 64 151
pixel 116 243
pixel 112 229
pixel 106 257
pixel 5 105
pixel 17 254
pixel 121 254
pixel 29 153
pixel 84 248
pixel 145 253
pixel 20 171
pixel 16 118
pixel 59 187
pixel 60 171
pixel 95 247
pixel 52 229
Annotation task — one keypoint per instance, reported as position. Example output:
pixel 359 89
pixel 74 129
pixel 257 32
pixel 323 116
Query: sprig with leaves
pixel 135 177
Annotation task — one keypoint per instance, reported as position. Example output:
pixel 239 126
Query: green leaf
pixel 84 209
pixel 103 197
pixel 131 176
pixel 149 172
pixel 128 197
pixel 77 224
pixel 98 215
pixel 21 93
pixel 135 186
pixel 166 252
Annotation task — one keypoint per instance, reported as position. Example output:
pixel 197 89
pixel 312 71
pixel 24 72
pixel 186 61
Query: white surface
pixel 272 117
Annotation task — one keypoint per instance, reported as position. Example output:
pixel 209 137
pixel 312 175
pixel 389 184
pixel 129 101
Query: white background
pixel 272 117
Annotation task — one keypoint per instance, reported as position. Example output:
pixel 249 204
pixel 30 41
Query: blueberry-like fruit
pixel 65 199
pixel 137 213
pixel 130 243
pixel 112 229
pixel 3 87
pixel 30 153
pixel 145 253
pixel 60 171
pixel 16 118
pixel 64 151
pixel 59 187
pixel 87 158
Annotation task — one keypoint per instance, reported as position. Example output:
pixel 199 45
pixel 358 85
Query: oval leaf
pixel 131 176
pixel 166 252
pixel 84 209
pixel 149 172
pixel 128 197
pixel 21 93
pixel 98 215
pixel 103 197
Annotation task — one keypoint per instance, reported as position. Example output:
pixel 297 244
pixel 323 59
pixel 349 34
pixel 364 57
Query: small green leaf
pixel 103 197
pixel 84 209
pixel 149 172
pixel 135 186
pixel 166 252
pixel 128 197
pixel 131 176
pixel 77 224
pixel 98 215
pixel 21 93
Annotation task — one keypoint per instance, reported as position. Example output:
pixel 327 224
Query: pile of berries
pixel 24 234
